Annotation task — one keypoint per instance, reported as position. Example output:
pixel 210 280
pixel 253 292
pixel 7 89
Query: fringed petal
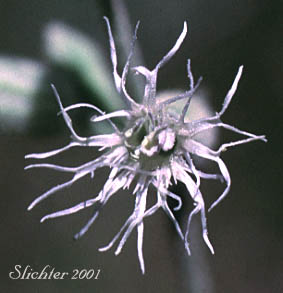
pixel 111 187
pixel 140 230
pixel 131 103
pixel 51 191
pixel 175 48
pixel 93 107
pixel 200 206
pixel 120 113
pixel 138 213
pixel 52 153
pixel 105 140
pixel 172 218
pixel 72 210
pixel 204 152
pixel 52 166
pixel 232 91
pixel 113 55
pixel 66 117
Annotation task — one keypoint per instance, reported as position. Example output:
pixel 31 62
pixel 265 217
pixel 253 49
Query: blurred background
pixel 66 43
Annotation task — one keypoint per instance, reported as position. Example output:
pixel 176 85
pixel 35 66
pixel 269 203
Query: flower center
pixel 160 141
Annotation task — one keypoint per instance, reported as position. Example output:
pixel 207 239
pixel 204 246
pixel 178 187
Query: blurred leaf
pixel 20 80
pixel 71 49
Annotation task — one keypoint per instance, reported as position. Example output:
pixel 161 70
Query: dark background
pixel 246 229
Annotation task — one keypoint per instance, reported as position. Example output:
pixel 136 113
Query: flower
pixel 155 147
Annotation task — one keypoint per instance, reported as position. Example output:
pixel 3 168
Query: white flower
pixel 154 146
